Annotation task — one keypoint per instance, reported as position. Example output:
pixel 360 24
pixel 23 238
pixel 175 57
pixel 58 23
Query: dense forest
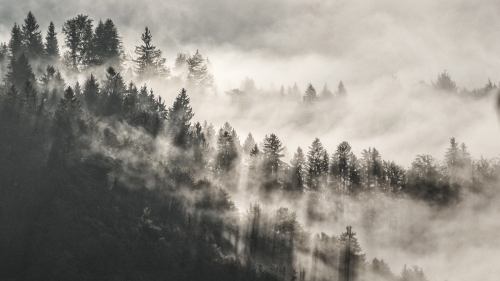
pixel 101 180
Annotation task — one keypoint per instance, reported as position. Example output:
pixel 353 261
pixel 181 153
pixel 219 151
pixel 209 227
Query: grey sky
pixel 356 41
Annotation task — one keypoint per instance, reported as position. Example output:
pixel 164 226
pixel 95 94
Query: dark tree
pixel 341 91
pixel 179 120
pixel 315 165
pixel 113 92
pixel 32 38
pixel 78 35
pixel 272 153
pixel 351 261
pixel 51 44
pixel 149 62
pixel 310 96
pixel 16 41
pixel 19 72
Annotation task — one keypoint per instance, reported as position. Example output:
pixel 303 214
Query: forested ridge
pixel 104 181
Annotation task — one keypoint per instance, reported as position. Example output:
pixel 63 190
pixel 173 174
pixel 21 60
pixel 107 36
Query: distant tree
pixel 181 65
pixel 149 62
pixel 341 91
pixel 444 83
pixel 198 76
pixel 310 96
pixel 326 93
pixel 32 38
pixel 16 41
pixel 248 144
pixel 78 35
pixel 381 269
pixel 51 44
pixel 282 93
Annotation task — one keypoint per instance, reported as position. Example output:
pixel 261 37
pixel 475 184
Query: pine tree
pixel 51 44
pixel 106 45
pixel 444 83
pixel 326 93
pixel 314 164
pixel 114 47
pixel 30 97
pixel 114 89
pixel 310 96
pixel 340 170
pixel 272 150
pixel 149 62
pixel 341 91
pixel 227 153
pixel 78 35
pixel 179 120
pixel 20 71
pixel 282 92
pixel 198 76
pixel 16 41
pixel 180 65
pixel 32 38
pixel 351 260
pixel 298 171
pixel 248 144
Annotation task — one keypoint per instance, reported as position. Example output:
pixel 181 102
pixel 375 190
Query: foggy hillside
pixel 229 142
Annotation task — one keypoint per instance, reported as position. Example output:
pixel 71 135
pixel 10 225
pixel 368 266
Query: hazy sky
pixel 303 41
pixel 363 43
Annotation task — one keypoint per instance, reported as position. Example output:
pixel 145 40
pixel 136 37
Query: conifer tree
pixel 326 93
pixel 272 150
pixel 248 144
pixel 51 44
pixel 298 171
pixel 198 76
pixel 310 96
pixel 149 62
pixel 341 91
pixel 20 71
pixel 227 152
pixel 179 120
pixel 351 261
pixel 91 93
pixel 340 170
pixel 16 41
pixel 114 89
pixel 78 35
pixel 32 38
pixel 315 165
pixel 30 97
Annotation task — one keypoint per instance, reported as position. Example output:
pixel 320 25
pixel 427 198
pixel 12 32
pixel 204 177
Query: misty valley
pixel 116 166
